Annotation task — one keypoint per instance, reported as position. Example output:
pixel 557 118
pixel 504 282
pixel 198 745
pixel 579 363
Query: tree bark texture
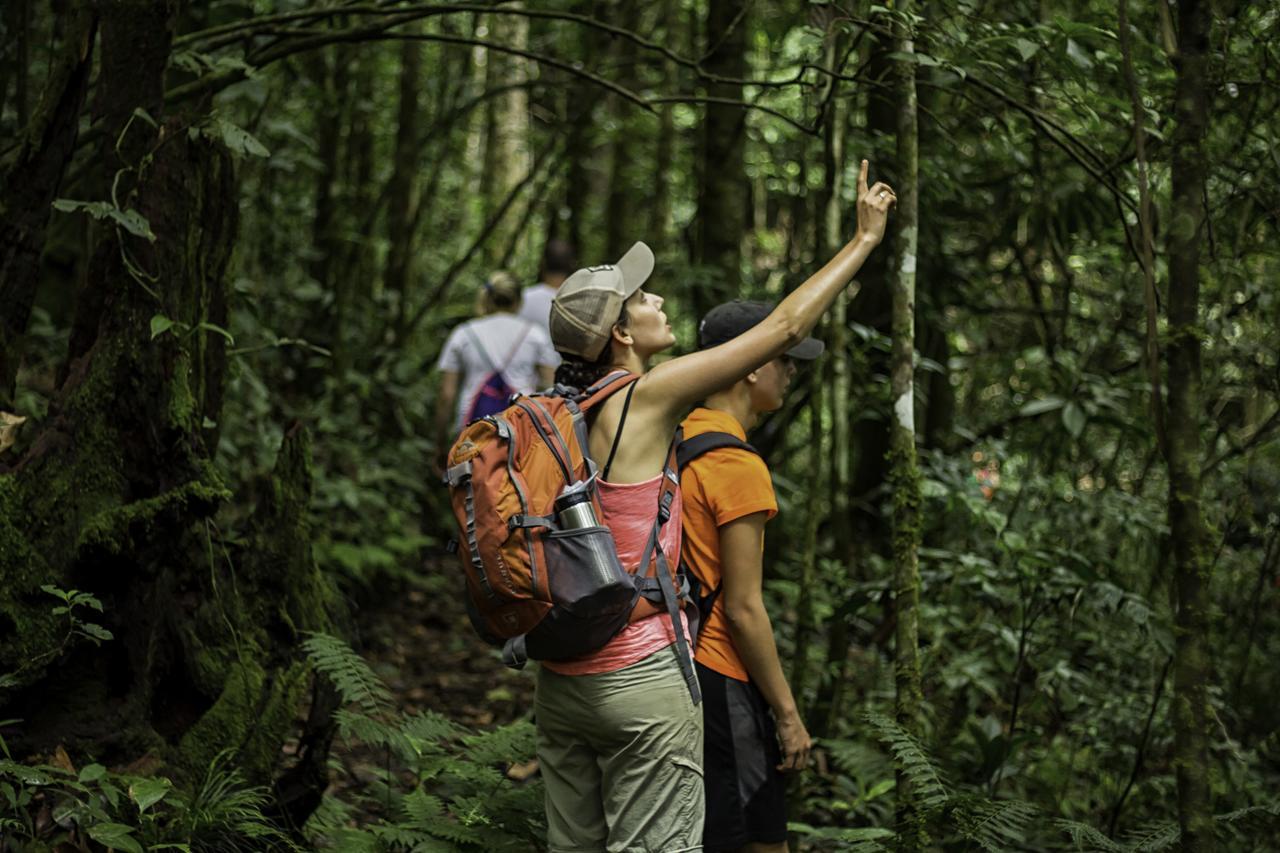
pixel 29 183
pixel 402 204
pixel 621 211
pixel 904 473
pixel 1191 564
pixel 507 159
pixel 722 192
pixel 116 495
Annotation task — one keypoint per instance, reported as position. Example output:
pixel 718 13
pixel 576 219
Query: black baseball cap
pixel 730 319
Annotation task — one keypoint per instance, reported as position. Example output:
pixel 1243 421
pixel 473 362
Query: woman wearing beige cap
pixel 619 731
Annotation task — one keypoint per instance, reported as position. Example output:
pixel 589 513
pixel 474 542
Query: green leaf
pixel 159 325
pixel 1039 407
pixel 1026 48
pixel 237 140
pixel 1074 419
pixel 116 835
pixel 145 116
pixel 53 590
pixel 1077 55
pixel 97 632
pixel 148 792
pixel 212 327
pixel 92 772
pixel 131 220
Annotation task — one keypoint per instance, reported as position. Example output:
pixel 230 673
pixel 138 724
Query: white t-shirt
pixel 536 306
pixel 478 347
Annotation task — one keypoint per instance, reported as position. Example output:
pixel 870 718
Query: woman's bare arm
pixel 678 384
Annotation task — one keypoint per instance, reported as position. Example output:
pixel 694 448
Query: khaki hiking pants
pixel 621 755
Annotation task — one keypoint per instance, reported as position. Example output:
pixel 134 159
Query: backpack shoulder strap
pixel 604 388
pixel 479 345
pixel 691 448
pixel 524 333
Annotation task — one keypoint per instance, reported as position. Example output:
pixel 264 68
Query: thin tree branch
pixel 549 156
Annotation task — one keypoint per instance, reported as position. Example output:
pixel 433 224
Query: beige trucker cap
pixel 588 304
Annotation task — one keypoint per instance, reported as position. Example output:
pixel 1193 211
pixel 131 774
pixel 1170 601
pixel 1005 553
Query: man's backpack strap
pixel 686 451
pixel 691 448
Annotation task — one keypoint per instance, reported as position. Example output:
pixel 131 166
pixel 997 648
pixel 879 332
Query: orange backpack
pixel 537 587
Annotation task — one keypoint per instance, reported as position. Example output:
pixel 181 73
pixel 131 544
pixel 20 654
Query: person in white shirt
pixel 488 358
pixel 558 263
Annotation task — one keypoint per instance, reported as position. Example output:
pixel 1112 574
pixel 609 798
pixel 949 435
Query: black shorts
pixel 745 790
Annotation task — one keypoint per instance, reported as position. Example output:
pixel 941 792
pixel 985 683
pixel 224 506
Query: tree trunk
pixel 117 493
pixel 30 183
pixel 1191 574
pixel 904 475
pixel 664 149
pixel 402 204
pixel 722 193
pixel 620 230
pixel 506 159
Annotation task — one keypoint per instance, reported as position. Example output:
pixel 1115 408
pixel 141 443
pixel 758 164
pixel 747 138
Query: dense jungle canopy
pixel 1026 573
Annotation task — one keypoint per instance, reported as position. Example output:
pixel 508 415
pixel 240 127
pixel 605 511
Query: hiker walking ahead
pixel 558 262
pixel 487 359
pixel 619 733
pixel 753 730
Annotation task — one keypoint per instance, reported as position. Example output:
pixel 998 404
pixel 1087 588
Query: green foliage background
pixel 1046 616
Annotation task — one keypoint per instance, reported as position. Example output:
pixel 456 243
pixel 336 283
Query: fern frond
pixel 350 841
pixel 350 674
pixel 331 816
pixel 927 782
pixel 858 759
pixel 354 725
pixel 1272 809
pixel 1087 838
pixel 504 745
pixel 430 726
pixel 421 810
pixel 994 825
pixel 1153 837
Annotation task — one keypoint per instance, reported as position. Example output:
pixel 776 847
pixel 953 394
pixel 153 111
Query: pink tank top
pixel 629 512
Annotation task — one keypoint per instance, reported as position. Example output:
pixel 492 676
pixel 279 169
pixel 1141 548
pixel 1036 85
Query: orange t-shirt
pixel 719 487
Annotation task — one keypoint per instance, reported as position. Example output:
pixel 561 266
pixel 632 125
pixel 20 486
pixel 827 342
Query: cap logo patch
pixel 600 268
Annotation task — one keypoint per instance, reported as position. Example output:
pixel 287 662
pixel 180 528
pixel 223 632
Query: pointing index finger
pixel 862 178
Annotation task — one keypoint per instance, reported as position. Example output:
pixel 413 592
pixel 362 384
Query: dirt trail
pixel 422 644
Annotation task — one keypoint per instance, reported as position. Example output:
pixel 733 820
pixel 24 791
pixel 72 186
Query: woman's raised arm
pixel 682 382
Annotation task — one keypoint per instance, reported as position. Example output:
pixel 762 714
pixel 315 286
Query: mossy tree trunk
pixel 1191 565
pixel 117 492
pixel 904 473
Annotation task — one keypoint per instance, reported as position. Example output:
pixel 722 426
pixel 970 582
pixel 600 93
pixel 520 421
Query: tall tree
pixel 904 474
pixel 1191 563
pixel 116 494
pixel 402 204
pixel 30 180
pixel 507 157
pixel 722 190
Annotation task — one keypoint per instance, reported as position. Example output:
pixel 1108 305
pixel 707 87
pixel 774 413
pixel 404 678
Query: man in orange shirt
pixel 753 731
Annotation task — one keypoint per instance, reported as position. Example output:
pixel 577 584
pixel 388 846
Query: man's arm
pixel 546 376
pixel 741 545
